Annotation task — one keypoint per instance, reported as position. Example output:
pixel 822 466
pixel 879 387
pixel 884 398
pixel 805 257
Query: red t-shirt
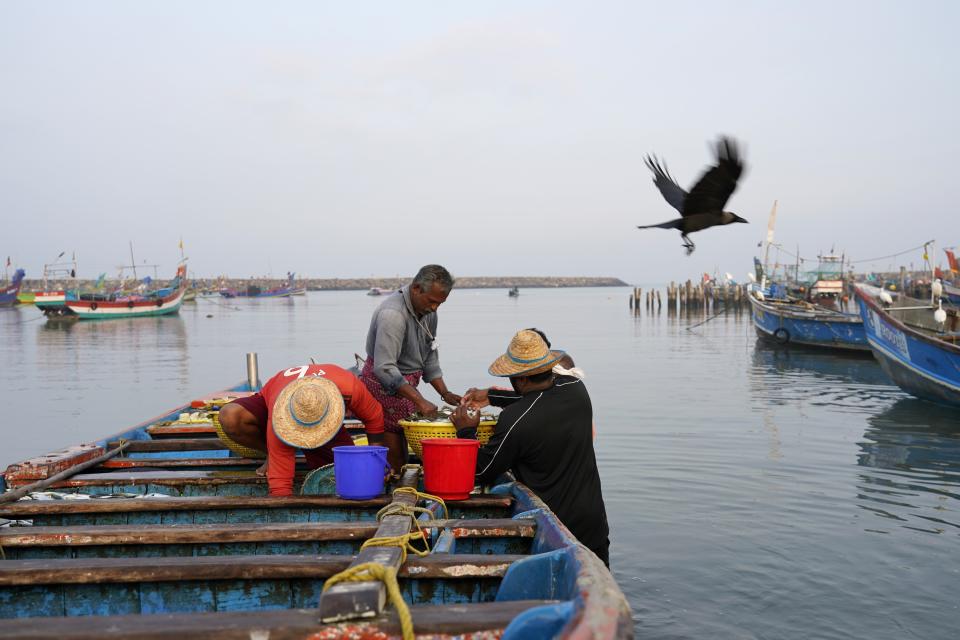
pixel 281 456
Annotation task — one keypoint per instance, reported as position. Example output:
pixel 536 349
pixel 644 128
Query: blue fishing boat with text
pixel 915 343
pixel 161 531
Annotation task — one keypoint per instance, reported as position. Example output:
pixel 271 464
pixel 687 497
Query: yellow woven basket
pixel 236 447
pixel 417 431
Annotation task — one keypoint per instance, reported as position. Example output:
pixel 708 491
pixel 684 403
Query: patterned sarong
pixel 395 407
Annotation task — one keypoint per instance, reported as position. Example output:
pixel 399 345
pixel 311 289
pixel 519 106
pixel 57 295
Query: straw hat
pixel 308 412
pixel 527 355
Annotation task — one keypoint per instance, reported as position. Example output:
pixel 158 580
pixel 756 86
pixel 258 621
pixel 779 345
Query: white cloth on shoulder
pixel 572 371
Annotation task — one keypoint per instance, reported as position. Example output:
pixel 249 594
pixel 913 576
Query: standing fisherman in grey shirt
pixel 402 349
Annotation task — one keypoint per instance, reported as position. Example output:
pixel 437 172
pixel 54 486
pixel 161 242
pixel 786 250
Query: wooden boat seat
pixel 86 535
pixel 238 567
pixel 276 625
pixel 25 509
pixel 125 480
pixel 171 444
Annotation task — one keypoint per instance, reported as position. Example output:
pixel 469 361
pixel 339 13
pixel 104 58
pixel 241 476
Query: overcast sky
pixel 340 139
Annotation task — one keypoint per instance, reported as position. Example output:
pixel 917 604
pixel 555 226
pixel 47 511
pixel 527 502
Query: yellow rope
pixel 403 542
pixel 371 571
pixel 419 495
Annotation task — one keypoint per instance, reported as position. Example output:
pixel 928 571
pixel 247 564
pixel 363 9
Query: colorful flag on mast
pixel 953 261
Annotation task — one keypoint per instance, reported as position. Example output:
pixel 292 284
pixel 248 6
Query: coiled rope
pixel 403 542
pixel 372 571
pixel 418 495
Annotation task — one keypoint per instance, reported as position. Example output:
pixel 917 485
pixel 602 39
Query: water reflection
pixel 114 346
pixel 846 381
pixel 912 450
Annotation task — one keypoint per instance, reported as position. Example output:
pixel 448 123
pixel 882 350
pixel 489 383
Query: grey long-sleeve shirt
pixel 399 344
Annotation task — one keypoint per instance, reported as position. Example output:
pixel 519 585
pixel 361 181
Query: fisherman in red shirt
pixel 300 408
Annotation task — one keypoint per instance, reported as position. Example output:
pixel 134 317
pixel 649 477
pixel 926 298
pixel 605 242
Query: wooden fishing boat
pixel 51 299
pixel 162 532
pixel 915 343
pixel 256 291
pixel 107 307
pixel 10 291
pixel 787 321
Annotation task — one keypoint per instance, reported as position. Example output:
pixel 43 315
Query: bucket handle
pixel 382 455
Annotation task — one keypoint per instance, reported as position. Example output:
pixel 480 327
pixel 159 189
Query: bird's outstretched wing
pixel 717 184
pixel 672 192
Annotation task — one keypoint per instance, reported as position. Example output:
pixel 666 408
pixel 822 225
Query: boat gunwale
pixel 914 333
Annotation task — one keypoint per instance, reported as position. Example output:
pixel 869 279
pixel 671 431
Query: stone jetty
pixel 346 284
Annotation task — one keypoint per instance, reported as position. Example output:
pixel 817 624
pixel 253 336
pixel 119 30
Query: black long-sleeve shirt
pixel 546 439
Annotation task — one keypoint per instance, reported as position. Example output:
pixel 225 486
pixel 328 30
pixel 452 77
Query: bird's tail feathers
pixel 672 224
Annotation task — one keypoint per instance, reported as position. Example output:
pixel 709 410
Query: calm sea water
pixel 752 493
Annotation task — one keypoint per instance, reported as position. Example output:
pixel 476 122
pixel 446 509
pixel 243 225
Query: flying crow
pixel 702 208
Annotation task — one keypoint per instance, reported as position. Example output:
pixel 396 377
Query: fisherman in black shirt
pixel 545 439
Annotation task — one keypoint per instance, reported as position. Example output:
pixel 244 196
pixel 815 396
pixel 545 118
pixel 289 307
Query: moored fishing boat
pixel 256 291
pixel 173 523
pixel 9 291
pixel 797 322
pixel 915 343
pixel 159 302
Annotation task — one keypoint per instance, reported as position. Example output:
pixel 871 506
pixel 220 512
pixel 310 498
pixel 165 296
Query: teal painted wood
pixel 494 545
pixel 258 514
pixel 340 547
pixel 213 595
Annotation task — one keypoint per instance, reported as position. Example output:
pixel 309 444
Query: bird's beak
pixel 737 218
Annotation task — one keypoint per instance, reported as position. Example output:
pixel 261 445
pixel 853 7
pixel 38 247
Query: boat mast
pixel 771 222
pixel 133 263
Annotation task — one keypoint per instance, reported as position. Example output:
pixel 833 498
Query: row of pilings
pixel 690 297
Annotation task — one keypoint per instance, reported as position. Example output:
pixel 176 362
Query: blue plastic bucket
pixel 359 471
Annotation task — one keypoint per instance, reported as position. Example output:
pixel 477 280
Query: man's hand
pixel 451 398
pixel 426 408
pixel 465 418
pixel 476 398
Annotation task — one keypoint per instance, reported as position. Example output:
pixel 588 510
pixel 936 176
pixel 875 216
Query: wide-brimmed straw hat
pixel 527 355
pixel 308 412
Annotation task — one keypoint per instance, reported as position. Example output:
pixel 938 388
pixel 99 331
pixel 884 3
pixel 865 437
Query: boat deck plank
pixel 84 535
pixel 27 508
pixel 291 624
pixel 238 567
pixel 171 444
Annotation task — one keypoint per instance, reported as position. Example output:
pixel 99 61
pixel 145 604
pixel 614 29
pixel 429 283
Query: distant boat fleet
pixel 914 340
pixel 142 298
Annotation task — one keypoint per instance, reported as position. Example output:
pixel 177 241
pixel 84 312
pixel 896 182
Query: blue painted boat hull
pixel 233 537
pixel 794 325
pixel 921 365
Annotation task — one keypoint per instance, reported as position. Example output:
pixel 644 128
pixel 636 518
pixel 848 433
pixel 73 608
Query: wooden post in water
pixel 658 300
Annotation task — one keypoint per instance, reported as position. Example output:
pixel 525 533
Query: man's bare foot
pixel 262 470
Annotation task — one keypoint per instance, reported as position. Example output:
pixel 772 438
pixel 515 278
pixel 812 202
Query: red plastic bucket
pixel 449 466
